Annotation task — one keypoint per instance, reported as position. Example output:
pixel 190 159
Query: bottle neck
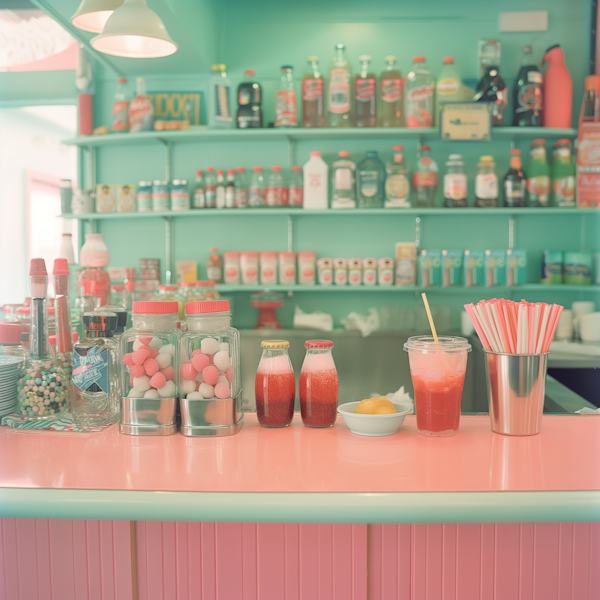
pixel 364 69
pixel 314 65
pixel 390 66
pixel 141 88
pixel 274 352
pixel 313 351
pixel 515 162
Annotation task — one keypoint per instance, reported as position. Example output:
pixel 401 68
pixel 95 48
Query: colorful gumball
pixel 222 390
pixel 158 380
pixel 128 358
pixel 150 366
pixel 210 374
pixel 200 361
pixel 138 370
pixel 188 371
pixel 169 373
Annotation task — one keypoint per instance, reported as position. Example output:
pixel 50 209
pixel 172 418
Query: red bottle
pixel 557 90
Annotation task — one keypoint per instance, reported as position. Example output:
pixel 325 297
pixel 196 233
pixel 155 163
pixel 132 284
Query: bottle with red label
pixel 365 95
pixel 425 180
pixel 121 106
pixel 527 93
pixel 296 188
pixel 274 187
pixel 418 96
pixel 286 107
pixel 390 95
pixel 141 110
pixel 339 97
pixel 313 95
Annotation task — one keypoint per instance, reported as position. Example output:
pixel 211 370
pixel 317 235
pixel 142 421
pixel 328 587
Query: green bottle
pixel 538 175
pixel 563 176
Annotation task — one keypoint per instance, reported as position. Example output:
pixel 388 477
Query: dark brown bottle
pixel 515 183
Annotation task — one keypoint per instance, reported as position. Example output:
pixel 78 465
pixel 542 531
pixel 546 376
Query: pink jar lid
pixel 10 333
pixel 210 306
pixel 307 254
pixel 276 168
pixel 318 344
pixel 288 254
pixel 188 284
pixel 168 288
pixel 26 310
pixel 268 254
pixel 61 267
pixel 155 308
pixel 231 254
pixel 249 253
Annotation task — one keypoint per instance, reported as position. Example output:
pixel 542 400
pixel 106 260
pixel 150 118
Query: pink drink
pixel 318 386
pixel 275 391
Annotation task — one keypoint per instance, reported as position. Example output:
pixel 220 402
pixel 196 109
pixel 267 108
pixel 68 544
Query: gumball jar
pixel 150 370
pixel 211 392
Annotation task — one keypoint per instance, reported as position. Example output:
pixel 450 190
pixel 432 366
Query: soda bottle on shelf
pixel 210 188
pixel 214 266
pixel 563 176
pixel 274 187
pixel 339 99
pixel 370 177
pixel 296 188
pixel 313 95
pixel 219 98
pixel 514 182
pixel 397 182
pixel 286 107
pixel 241 188
pixel 220 189
pixel 249 93
pixel 141 111
pixel 448 87
pixel 491 87
pixel 390 95
pixel 199 200
pixel 365 95
pixel 455 183
pixel 343 181
pixel 590 106
pixel 418 97
pixel 486 183
pixel 527 94
pixel 425 180
pixel 120 108
pixel 256 191
pixel 557 89
pixel 538 175
pixel 230 189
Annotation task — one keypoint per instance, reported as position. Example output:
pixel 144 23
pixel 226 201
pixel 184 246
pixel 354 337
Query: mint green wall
pixel 267 34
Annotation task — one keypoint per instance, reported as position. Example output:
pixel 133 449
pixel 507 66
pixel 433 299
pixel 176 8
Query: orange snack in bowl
pixel 375 406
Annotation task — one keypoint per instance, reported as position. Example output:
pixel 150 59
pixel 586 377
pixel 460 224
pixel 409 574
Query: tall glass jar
pixel 275 385
pixel 318 385
pixel 210 371
pixel 150 370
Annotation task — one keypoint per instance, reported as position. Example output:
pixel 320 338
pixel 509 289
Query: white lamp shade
pixel 134 31
pixel 93 14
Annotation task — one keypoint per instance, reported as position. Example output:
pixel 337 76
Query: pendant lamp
pixel 134 31
pixel 93 14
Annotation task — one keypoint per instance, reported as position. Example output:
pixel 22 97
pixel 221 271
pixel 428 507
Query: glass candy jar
pixel 170 293
pixel 210 371
pixel 318 385
pixel 150 370
pixel 275 385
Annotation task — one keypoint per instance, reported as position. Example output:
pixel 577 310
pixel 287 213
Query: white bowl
pixel 372 425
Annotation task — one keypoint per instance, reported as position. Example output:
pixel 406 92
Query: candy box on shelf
pixel 473 268
pixel 430 267
pixel 516 267
pixel 495 267
pixel 452 262
pixel 105 198
pixel 125 198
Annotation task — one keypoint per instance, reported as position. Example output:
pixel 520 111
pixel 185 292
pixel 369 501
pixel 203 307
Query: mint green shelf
pixel 198 135
pixel 358 212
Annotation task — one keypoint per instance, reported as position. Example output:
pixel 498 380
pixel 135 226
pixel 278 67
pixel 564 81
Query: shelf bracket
pixel 168 249
pixel 511 232
pixel 168 157
pixel 91 168
pixel 513 143
pixel 582 233
pixel 419 144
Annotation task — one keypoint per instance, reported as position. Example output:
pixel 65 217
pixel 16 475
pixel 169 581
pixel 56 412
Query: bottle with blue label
pixel 95 380
pixel 219 98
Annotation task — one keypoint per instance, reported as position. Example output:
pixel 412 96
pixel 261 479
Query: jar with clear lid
pixel 210 371
pixel 275 385
pixel 150 370
pixel 318 385
pixel 10 344
pixel 170 293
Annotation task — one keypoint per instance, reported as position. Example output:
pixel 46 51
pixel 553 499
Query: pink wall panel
pixel 506 561
pixel 246 561
pixel 43 559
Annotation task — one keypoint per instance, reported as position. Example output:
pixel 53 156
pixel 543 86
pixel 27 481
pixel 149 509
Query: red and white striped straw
pixel 509 327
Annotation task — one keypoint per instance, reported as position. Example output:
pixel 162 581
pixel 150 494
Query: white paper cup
pixel 564 330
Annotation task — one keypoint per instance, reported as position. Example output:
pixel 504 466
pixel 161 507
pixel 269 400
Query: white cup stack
pixel 589 328
pixel 579 309
pixel 564 331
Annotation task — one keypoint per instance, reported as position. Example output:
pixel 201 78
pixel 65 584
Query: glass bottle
pixel 210 188
pixel 230 189
pixel 491 87
pixel 455 183
pixel 93 280
pixel 199 199
pixel 563 175
pixel 486 183
pixel 150 370
pixel 313 95
pixel 538 175
pixel 418 95
pixel 286 105
pixel 214 266
pixel 210 371
pixel 296 189
pixel 365 95
pixel 220 189
pixel 274 190
pixel 256 191
pixel 339 98
pixel 343 181
pixel 448 87
pixel 275 385
pixel 590 106
pixel 397 181
pixel 141 110
pixel 514 182
pixel 527 93
pixel 120 107
pixel 170 293
pixel 241 188
pixel 219 98
pixel 249 93
pixel 370 175
pixel 390 95
pixel 95 379
pixel 425 180
pixel 318 388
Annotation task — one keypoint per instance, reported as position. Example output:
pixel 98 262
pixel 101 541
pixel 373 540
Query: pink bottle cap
pixel 212 306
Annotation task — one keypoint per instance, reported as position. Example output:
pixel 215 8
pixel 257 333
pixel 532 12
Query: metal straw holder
pixel 148 416
pixel 211 417
pixel 516 386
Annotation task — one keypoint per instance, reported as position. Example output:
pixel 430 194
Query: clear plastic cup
pixel 438 375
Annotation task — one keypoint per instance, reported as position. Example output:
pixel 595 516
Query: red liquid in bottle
pixel 318 397
pixel 275 396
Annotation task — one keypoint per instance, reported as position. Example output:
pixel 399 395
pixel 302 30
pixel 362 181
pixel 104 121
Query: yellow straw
pixel 435 337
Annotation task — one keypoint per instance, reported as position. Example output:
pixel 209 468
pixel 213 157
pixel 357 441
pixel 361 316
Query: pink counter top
pixel 564 457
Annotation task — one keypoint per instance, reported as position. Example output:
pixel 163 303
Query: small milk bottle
pixel 316 182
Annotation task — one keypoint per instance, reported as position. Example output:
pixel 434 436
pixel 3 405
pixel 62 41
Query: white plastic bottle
pixel 219 98
pixel 316 182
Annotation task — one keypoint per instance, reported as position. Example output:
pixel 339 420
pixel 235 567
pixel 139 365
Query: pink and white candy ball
pixel 207 374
